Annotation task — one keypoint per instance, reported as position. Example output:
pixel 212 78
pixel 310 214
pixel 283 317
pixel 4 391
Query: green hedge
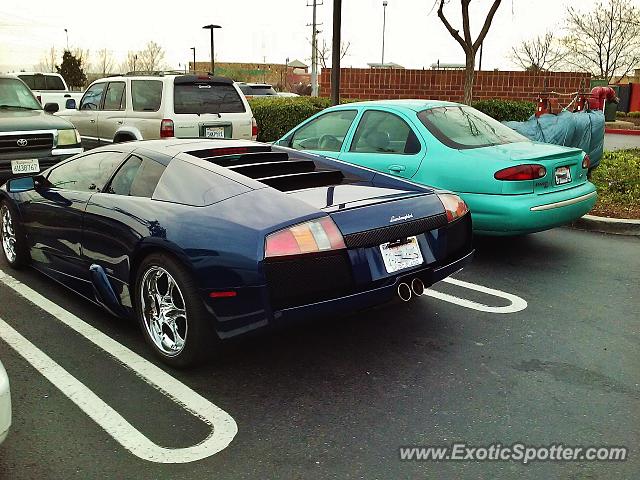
pixel 506 110
pixel 276 116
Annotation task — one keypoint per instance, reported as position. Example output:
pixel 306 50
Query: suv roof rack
pixel 154 73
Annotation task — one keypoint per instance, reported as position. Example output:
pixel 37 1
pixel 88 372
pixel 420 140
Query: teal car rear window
pixel 464 127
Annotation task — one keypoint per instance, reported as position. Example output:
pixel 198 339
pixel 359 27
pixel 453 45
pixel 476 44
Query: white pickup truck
pixel 50 88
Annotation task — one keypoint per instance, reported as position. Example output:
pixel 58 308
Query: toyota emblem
pixel 22 142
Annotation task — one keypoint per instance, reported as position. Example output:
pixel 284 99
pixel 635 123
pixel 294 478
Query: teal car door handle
pixel 396 168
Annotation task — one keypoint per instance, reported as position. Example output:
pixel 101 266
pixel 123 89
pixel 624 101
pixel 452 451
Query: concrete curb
pixel 620 131
pixel 616 226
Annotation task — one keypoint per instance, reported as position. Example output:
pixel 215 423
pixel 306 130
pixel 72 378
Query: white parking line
pixel 517 303
pixel 223 426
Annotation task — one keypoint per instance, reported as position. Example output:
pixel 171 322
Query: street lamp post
pixel 194 59
pixel 384 25
pixel 213 62
pixel 66 32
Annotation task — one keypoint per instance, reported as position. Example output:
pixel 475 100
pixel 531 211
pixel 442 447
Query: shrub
pixel 633 114
pixel 618 181
pixel 506 110
pixel 621 114
pixel 276 116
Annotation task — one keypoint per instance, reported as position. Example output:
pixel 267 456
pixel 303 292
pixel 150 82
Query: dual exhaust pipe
pixel 406 291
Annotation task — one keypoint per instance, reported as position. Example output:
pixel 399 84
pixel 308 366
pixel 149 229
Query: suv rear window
pixel 258 90
pixel 206 97
pixel 43 82
pixel 146 95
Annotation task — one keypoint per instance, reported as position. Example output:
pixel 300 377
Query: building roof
pixel 385 65
pixel 297 64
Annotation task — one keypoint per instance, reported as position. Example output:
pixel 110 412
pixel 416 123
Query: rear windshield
pixel 43 82
pixel 15 96
pixel 258 90
pixel 206 97
pixel 464 127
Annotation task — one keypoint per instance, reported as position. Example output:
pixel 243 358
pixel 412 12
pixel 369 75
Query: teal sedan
pixel 512 185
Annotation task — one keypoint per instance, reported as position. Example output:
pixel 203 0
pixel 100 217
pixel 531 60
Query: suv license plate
pixel 563 175
pixel 214 132
pixel 25 166
pixel 401 255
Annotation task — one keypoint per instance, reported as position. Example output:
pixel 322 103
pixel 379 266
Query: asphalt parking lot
pixel 548 355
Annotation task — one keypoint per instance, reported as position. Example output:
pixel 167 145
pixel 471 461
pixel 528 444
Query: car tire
pixel 12 238
pixel 184 337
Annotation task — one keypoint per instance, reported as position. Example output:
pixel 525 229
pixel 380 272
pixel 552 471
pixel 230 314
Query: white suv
pixel 142 107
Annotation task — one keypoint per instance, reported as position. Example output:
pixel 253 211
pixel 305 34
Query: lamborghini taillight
pixel 310 237
pixel 454 206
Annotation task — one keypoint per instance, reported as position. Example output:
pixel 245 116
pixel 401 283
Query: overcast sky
pixel 254 30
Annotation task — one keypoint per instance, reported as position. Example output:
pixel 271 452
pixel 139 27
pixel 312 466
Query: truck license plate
pixel 30 165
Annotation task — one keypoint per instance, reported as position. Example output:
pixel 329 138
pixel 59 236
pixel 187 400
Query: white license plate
pixel 563 175
pixel 25 166
pixel 214 132
pixel 401 255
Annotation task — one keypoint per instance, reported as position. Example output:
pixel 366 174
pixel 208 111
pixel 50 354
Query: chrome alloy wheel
pixel 164 313
pixel 8 235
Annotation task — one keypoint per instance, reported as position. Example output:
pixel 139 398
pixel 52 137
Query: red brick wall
pixel 376 84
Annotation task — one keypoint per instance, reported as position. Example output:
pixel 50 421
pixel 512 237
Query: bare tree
pixel 604 41
pixel 469 46
pixel 151 57
pixel 105 61
pixel 48 61
pixel 538 54
pixel 323 52
pixel 131 62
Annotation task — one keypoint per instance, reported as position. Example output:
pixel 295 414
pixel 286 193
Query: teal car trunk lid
pixel 552 157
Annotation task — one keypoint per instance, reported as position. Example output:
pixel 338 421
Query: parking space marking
pixel 223 426
pixel 517 304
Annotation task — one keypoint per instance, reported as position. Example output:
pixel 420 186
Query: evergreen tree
pixel 71 70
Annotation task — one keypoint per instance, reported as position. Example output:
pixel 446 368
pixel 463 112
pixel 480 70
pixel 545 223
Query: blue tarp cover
pixel 584 130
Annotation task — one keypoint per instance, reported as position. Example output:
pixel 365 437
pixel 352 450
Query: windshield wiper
pixel 4 107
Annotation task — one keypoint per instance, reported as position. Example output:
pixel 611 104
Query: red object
pixel 581 102
pixel 543 106
pixel 227 294
pixel 166 128
pixel 521 172
pixel 634 101
pixel 599 95
pixel 620 131
pixel 586 162
pixel 254 129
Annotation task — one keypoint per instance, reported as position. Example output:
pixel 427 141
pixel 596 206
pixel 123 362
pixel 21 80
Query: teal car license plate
pixel 563 175
pixel 401 254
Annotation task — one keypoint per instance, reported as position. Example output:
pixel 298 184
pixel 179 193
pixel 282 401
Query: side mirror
pixel 51 107
pixel 21 184
pixel 70 104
